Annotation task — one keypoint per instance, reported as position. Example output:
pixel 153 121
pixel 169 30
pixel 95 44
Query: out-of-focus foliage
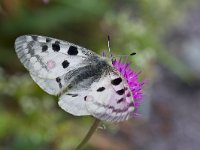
pixel 30 118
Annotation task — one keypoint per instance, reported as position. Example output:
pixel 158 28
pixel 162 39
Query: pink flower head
pixel 132 79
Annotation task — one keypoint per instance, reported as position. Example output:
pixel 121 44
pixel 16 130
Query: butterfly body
pixel 87 83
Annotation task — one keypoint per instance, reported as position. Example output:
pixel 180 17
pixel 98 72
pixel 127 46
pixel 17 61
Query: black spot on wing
pixel 121 92
pixel 58 80
pixel 85 98
pixel 116 81
pixel 44 48
pixel 56 47
pixel 34 37
pixel 72 50
pixel 57 42
pixel 73 95
pixel 65 64
pixel 48 40
pixel 120 100
pixel 100 89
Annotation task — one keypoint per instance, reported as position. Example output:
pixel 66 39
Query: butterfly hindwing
pixel 102 100
pixel 73 102
pixel 114 103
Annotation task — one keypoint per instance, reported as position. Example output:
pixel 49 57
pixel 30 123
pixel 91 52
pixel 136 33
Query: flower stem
pixel 89 134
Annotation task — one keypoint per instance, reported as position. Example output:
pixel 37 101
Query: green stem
pixel 89 134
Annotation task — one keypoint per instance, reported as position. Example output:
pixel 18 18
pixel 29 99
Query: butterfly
pixel 86 83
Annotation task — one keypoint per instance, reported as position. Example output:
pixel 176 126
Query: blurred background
pixel 164 33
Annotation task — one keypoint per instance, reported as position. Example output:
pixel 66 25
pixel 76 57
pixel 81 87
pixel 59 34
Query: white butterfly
pixel 87 83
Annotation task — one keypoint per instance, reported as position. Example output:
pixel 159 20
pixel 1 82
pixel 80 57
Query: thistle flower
pixel 132 80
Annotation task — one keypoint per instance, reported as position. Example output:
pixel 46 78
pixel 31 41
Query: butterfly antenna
pixel 109 50
pixel 109 43
pixel 131 54
pixel 134 53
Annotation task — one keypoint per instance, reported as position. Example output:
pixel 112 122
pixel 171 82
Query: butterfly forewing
pixel 49 59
